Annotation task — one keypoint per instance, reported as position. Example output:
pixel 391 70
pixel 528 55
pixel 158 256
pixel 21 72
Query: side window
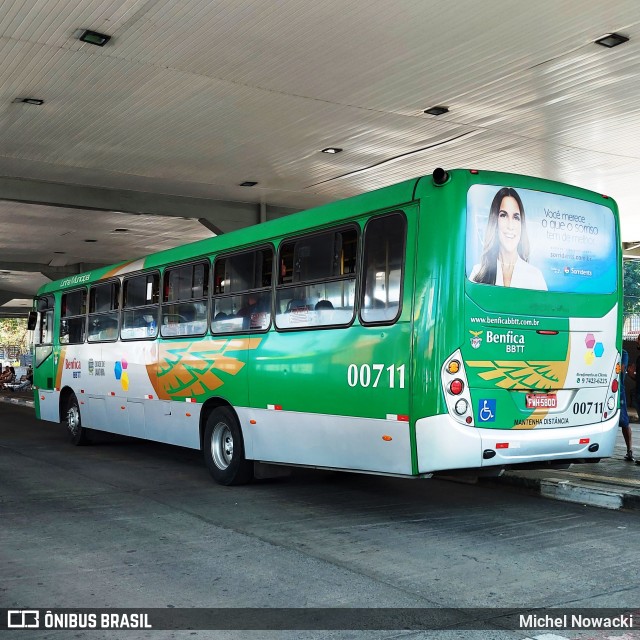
pixel 140 303
pixel 317 280
pixel 72 317
pixel 383 269
pixel 242 291
pixel 184 300
pixel 44 328
pixel 103 312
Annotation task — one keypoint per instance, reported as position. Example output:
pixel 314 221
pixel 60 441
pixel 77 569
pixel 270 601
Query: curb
pixel 594 494
pixel 19 401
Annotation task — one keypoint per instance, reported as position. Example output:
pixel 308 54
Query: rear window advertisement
pixel 536 240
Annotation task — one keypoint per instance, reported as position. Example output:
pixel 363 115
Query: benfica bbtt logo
pixel 476 341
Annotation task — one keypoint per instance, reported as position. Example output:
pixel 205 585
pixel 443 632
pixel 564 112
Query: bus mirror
pixel 32 321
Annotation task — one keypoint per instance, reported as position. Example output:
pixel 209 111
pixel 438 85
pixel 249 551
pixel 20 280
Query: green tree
pixel 13 333
pixel 631 286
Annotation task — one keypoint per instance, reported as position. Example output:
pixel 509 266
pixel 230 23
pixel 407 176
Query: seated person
pixel 7 377
pixel 26 382
pixel 255 311
pixel 110 332
pixel 250 305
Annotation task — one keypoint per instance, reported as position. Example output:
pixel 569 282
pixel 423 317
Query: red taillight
pixel 456 387
pixel 614 386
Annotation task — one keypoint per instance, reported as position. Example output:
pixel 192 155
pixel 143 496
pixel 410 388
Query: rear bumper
pixel 443 443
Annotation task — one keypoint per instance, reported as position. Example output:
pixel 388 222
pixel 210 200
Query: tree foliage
pixel 631 286
pixel 13 333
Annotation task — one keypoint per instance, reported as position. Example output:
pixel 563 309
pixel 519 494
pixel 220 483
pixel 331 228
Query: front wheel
pixel 224 449
pixel 77 433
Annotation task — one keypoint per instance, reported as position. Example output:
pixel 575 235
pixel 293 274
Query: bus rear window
pixel 529 239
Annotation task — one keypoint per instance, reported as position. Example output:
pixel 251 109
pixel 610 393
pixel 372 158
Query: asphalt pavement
pixel 612 483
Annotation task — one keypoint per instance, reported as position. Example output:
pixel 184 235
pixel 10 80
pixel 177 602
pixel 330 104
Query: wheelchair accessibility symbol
pixel 487 410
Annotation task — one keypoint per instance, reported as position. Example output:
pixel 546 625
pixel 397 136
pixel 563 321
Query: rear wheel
pixel 77 433
pixel 224 449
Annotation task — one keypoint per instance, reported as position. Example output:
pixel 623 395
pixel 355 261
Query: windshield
pixel 529 239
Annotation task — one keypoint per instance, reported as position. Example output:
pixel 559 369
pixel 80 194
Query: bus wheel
pixel 77 433
pixel 224 449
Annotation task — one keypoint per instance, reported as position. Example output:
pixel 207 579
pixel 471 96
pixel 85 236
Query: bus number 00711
pixel 371 375
pixel 588 407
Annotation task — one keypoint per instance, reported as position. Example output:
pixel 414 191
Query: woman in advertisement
pixel 505 254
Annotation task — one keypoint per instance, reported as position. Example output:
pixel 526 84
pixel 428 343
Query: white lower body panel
pixel 49 403
pixel 158 420
pixel 339 442
pixel 443 443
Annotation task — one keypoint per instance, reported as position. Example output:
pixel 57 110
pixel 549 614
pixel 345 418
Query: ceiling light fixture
pixel 611 40
pixel 93 37
pixel 248 183
pixel 332 150
pixel 35 101
pixel 437 111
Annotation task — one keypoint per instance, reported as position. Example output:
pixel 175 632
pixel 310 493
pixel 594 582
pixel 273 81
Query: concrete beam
pixel 53 273
pixel 631 249
pixel 14 312
pixel 5 296
pixel 225 215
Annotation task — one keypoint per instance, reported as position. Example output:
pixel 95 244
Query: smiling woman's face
pixel 509 225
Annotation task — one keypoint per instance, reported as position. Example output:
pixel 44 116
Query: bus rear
pixel 529 374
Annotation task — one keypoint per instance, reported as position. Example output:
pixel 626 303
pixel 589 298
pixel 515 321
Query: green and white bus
pixel 465 321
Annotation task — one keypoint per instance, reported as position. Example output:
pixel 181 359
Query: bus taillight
pixel 456 390
pixel 456 387
pixel 614 386
pixel 453 367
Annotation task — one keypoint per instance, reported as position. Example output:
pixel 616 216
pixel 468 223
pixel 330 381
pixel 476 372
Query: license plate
pixel 542 401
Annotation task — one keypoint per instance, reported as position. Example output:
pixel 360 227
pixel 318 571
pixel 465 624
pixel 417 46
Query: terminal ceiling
pixel 188 100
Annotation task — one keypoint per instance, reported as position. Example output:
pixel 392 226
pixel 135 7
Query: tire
pixel 224 449
pixel 77 433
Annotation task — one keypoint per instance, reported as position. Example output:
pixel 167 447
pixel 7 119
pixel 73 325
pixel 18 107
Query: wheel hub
pixel 73 420
pixel 222 445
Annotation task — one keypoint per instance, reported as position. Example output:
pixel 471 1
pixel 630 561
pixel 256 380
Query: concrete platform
pixel 613 483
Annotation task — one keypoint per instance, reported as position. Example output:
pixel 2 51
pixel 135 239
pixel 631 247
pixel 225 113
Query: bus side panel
pixel 333 397
pixel 337 397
